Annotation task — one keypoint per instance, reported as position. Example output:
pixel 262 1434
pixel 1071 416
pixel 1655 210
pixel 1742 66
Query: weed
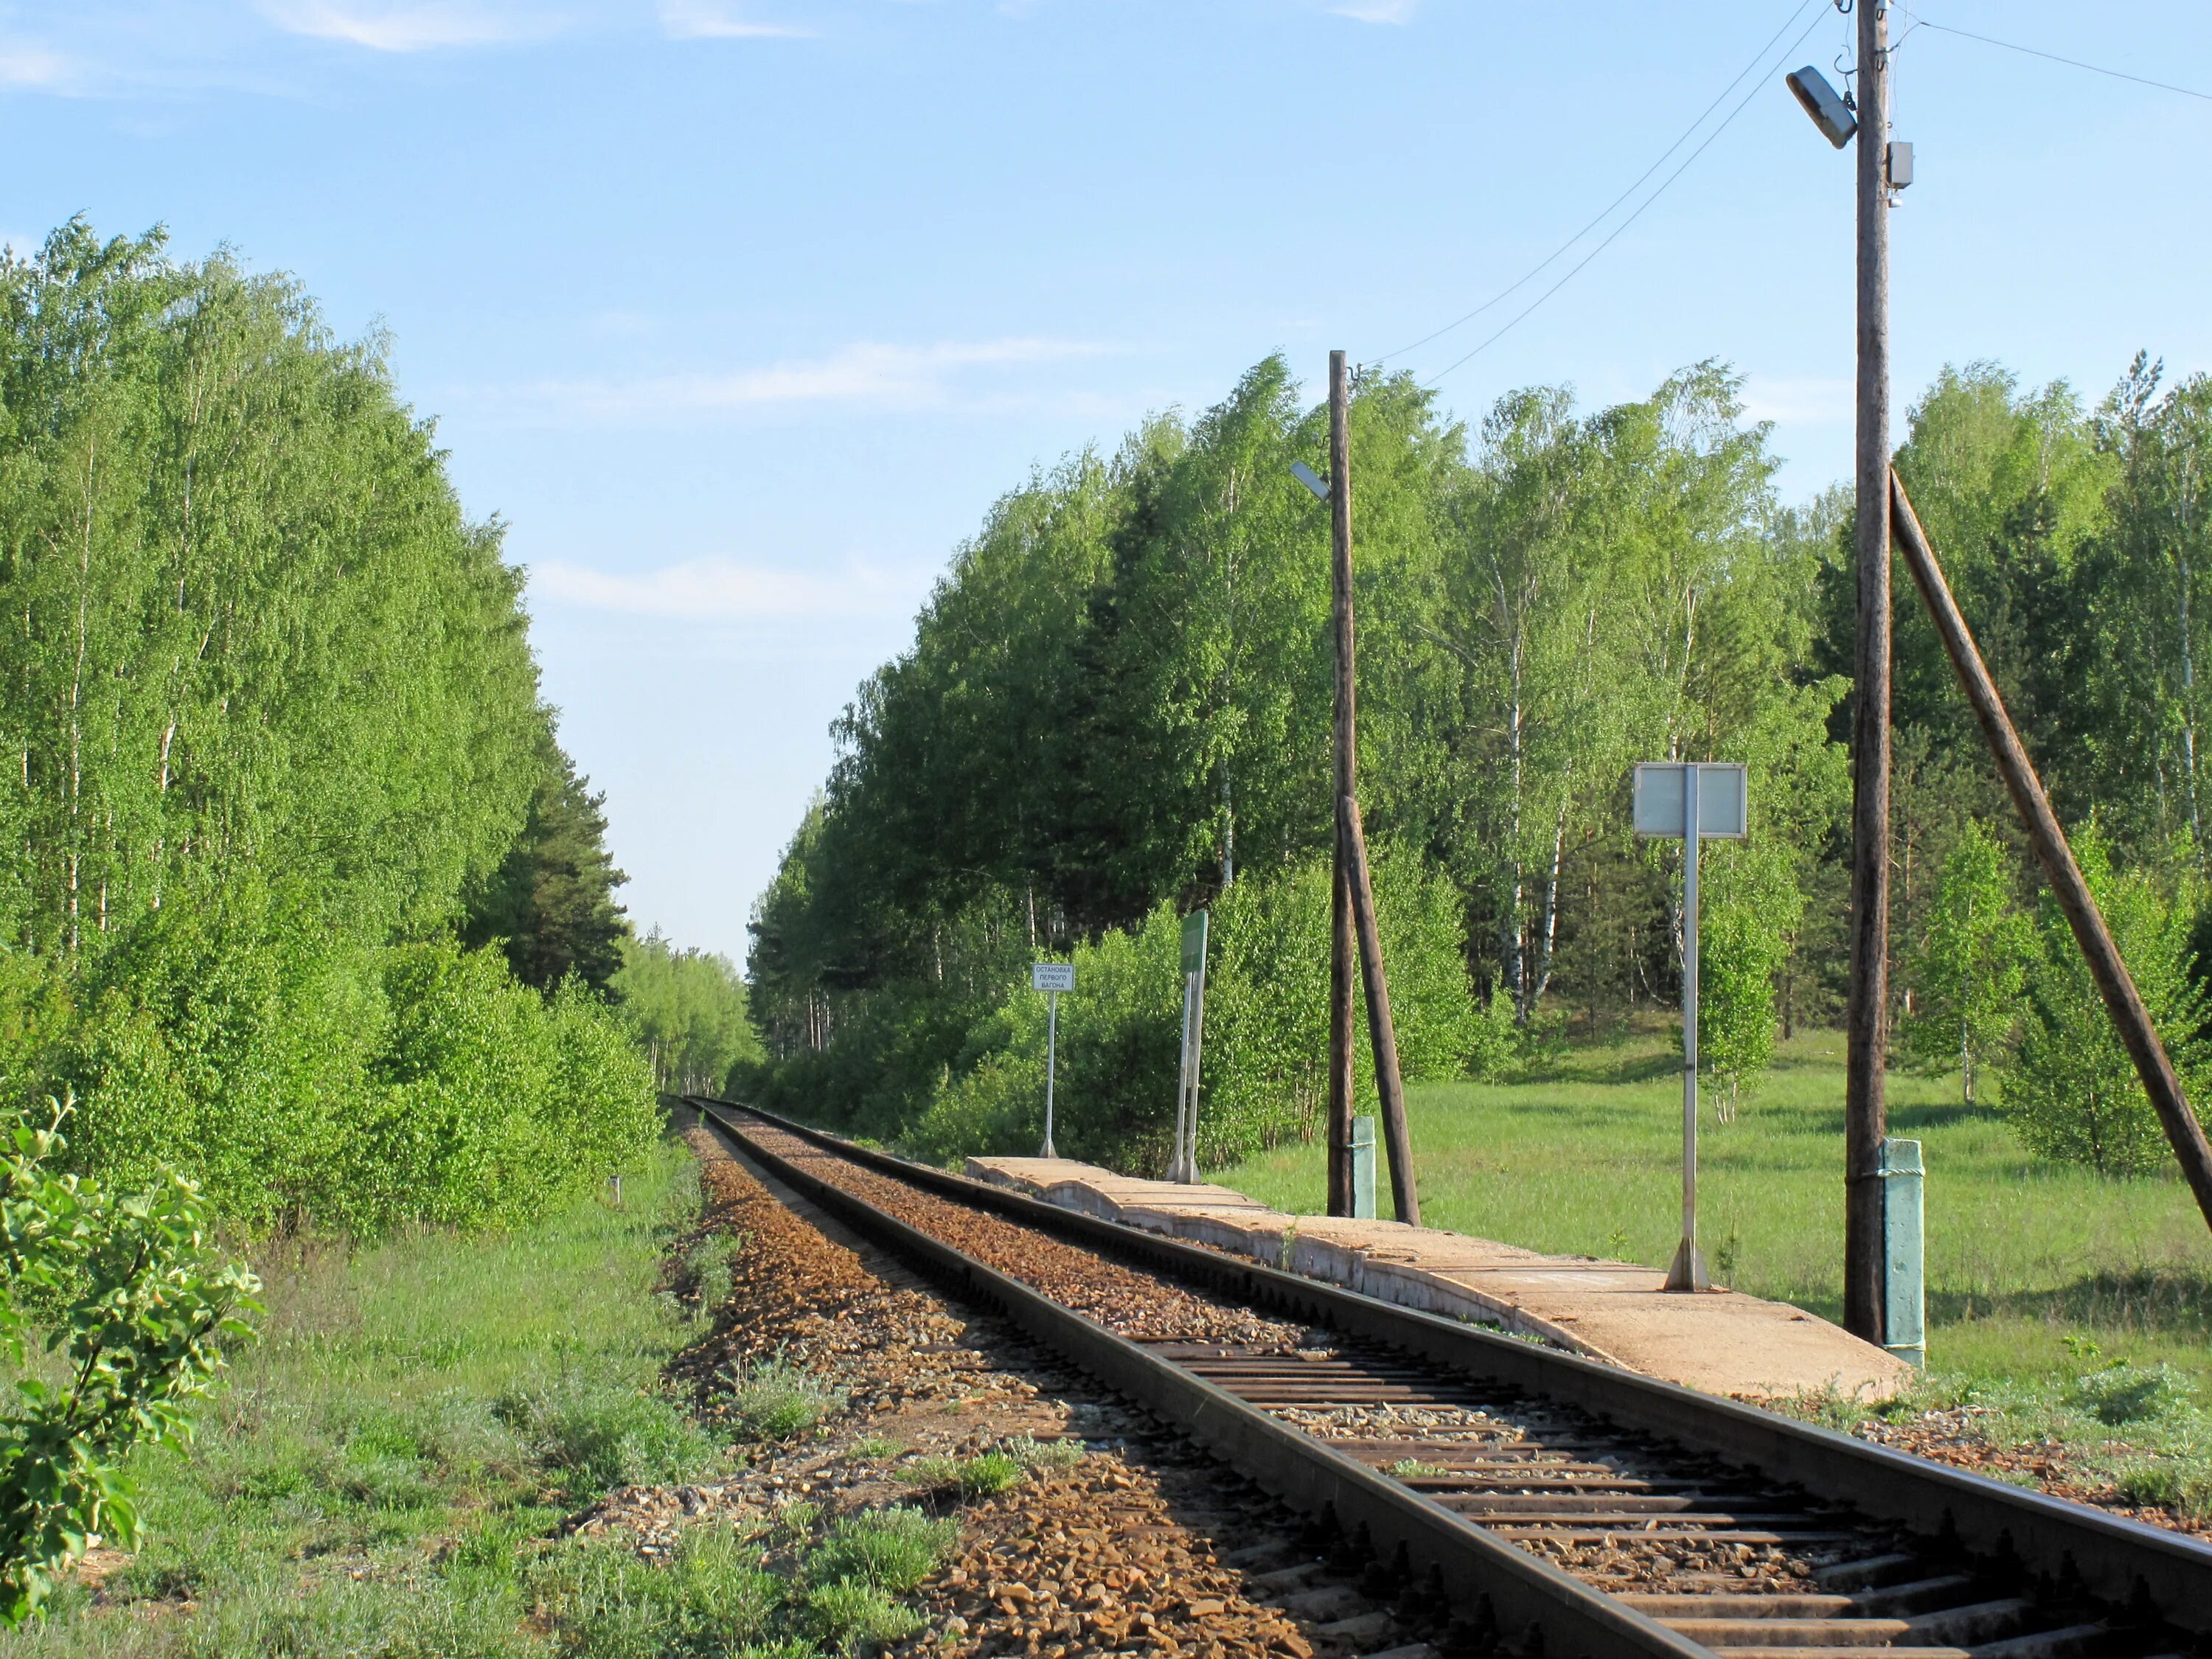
pixel 2121 1394
pixel 2169 1483
pixel 1059 1455
pixel 892 1549
pixel 603 1436
pixel 848 1613
pixel 1729 1253
pixel 601 1600
pixel 793 1521
pixel 874 1449
pixel 1411 1468
pixel 990 1473
pixel 770 1399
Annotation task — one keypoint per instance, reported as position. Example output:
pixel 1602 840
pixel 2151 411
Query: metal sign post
pixel 1697 801
pixel 1052 978
pixel 1182 1162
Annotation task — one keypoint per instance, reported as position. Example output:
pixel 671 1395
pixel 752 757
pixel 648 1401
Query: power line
pixel 2071 63
pixel 1534 271
pixel 1614 234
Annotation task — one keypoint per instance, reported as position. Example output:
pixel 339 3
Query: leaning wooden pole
pixel 2129 1017
pixel 1341 968
pixel 1397 1136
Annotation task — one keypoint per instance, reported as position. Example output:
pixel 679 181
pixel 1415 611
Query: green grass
pixel 373 1470
pixel 2037 1276
pixel 381 1477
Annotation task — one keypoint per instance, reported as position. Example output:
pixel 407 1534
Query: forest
pixel 300 897
pixel 1116 709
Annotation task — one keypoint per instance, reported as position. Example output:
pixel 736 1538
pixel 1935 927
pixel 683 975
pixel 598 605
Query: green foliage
pixel 136 1303
pixel 599 1435
pixel 892 1549
pixel 1971 963
pixel 689 1009
pixel 981 1476
pixel 273 722
pixel 1748 908
pixel 550 906
pixel 2070 1090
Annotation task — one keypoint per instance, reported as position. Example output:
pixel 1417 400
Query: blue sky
pixel 740 313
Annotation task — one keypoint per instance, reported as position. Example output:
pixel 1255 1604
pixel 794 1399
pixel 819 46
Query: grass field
pixel 369 1474
pixel 2037 1275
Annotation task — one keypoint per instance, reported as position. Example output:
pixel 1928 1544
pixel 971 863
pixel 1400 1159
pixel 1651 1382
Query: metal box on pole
pixel 1363 1168
pixel 1904 1211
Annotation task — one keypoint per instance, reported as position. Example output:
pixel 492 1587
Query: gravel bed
pixel 1140 1304
pixel 1134 1304
pixel 1960 1436
pixel 1143 1545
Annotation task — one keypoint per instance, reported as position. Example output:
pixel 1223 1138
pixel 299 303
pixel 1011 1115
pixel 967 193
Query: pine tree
pixel 550 904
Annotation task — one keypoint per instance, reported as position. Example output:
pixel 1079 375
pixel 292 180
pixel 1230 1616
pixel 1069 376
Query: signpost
pixel 1182 1162
pixel 1696 801
pixel 1052 978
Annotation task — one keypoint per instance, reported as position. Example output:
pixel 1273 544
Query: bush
pixel 135 1297
pixel 1266 1036
pixel 1748 908
pixel 2070 1090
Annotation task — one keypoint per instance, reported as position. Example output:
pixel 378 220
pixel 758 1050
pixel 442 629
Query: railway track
pixel 1560 1505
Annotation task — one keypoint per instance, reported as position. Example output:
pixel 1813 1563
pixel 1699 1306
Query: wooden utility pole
pixel 1353 910
pixel 1341 947
pixel 1866 1118
pixel 2114 983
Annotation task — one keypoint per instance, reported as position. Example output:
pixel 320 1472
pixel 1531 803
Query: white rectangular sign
pixel 1722 808
pixel 1052 977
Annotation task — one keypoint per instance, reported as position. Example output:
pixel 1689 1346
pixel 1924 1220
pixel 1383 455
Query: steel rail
pixel 1523 1591
pixel 2127 1564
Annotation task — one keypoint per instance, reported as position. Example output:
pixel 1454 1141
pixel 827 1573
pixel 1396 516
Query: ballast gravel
pixel 1141 1544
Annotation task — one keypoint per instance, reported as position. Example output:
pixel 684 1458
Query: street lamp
pixel 1830 113
pixel 1866 1115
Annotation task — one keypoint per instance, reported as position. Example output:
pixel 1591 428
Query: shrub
pixel 2070 1090
pixel 293 1073
pixel 1266 1034
pixel 139 1303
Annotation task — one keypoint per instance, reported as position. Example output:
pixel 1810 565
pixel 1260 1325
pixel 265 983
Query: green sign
pixel 1193 943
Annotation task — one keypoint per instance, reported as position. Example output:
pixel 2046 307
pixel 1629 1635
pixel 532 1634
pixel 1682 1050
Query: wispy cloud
pixel 414 24
pixel 867 375
pixel 722 590
pixel 719 19
pixel 1797 399
pixel 22 64
pixel 1378 11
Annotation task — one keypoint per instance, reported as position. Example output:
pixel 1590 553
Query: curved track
pixel 1559 1504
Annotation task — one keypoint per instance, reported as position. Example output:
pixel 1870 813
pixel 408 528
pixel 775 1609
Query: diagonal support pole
pixel 2131 1019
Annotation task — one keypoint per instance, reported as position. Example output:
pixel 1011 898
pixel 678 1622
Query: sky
pixel 739 315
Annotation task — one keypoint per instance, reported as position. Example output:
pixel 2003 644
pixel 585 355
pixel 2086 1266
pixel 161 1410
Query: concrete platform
pixel 1724 1342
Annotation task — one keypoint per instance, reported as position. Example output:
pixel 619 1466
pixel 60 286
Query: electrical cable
pixel 1529 276
pixel 1614 234
pixel 2071 63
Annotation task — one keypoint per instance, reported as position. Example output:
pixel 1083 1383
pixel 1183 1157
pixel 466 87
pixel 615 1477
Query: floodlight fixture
pixel 1829 112
pixel 1306 476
